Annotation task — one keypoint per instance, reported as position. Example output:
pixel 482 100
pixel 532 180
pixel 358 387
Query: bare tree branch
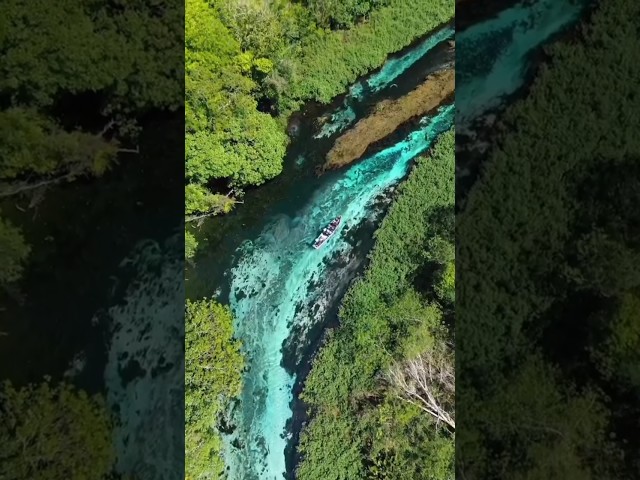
pixel 191 218
pixel 107 127
pixel 129 150
pixel 8 189
pixel 427 381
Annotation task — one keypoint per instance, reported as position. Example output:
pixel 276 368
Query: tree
pixel 213 368
pixel 200 200
pixel 35 146
pixel 445 284
pixel 13 252
pixel 190 245
pixel 428 381
pixel 227 138
pixel 113 58
pixel 53 432
pixel 618 353
pixel 341 13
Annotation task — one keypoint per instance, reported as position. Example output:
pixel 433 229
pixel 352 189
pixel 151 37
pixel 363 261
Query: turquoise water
pixel 390 72
pixel 278 285
pixel 394 67
pixel 493 56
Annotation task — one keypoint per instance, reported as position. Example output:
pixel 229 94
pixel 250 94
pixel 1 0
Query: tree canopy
pixel 250 64
pixel 544 392
pixel 54 431
pixel 213 366
pixel 72 94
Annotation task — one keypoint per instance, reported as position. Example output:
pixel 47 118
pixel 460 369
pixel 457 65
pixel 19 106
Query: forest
pixel 547 345
pixel 249 66
pixel 45 145
pixel 213 368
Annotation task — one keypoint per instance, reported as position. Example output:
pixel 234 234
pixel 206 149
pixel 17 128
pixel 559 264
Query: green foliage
pixel 445 286
pixel 53 432
pixel 385 318
pixel 199 199
pixel 227 138
pixel 190 245
pixel 329 62
pixel 213 367
pixel 34 144
pixel 332 447
pixel 118 56
pixel 341 14
pixel 543 196
pixel 618 356
pixel 402 240
pixel 118 53
pixel 123 51
pixel 239 53
pixel 407 447
pixel 13 252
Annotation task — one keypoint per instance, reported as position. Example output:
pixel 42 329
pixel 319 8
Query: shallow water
pixel 493 57
pixel 282 291
pixel 393 68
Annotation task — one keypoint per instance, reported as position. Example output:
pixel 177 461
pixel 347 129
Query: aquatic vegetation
pixel 388 73
pixel 388 116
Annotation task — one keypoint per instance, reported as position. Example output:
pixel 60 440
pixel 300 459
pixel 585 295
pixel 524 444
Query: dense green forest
pixel 548 345
pixel 249 65
pixel 381 390
pixel 53 431
pixel 213 368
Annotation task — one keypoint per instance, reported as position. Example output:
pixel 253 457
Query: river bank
pixel 219 236
pixel 388 116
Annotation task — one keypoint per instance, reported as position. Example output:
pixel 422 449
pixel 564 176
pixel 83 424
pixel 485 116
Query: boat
pixel 327 232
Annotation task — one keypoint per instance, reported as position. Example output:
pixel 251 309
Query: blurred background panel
pixel 547 239
pixel 91 239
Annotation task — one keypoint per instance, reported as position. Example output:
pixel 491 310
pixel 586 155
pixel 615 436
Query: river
pixel 282 292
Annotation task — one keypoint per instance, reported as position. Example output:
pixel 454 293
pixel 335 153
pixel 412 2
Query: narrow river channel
pixel 283 293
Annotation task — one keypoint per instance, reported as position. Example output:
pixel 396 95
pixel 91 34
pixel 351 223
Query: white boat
pixel 327 232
